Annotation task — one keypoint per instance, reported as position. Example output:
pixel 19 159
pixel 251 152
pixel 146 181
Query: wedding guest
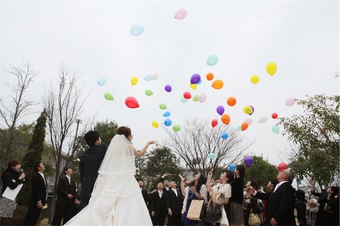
pixel 10 178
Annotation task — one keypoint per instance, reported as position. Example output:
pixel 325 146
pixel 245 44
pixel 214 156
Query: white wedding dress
pixel 116 198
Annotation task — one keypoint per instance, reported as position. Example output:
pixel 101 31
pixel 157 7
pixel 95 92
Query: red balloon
pixel 131 102
pixel 187 95
pixel 214 123
pixel 274 115
pixel 282 166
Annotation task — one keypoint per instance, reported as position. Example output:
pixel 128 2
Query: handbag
pixel 213 213
pixel 254 219
pixel 195 210
pixel 218 198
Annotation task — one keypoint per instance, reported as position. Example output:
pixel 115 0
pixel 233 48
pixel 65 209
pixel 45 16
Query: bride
pixel 116 198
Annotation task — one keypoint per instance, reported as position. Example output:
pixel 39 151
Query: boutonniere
pixel 13 180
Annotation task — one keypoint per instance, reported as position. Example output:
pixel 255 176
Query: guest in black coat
pixel 67 200
pixel 175 205
pixel 90 162
pixel 144 192
pixel 159 205
pixel 164 181
pixel 301 206
pixel 38 197
pixel 280 202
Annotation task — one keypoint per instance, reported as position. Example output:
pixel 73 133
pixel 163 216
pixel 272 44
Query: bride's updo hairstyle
pixel 123 130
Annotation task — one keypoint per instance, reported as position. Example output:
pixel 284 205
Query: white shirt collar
pixel 279 184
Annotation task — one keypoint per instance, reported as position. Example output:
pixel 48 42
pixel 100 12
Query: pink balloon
pixel 131 102
pixel 290 102
pixel 181 14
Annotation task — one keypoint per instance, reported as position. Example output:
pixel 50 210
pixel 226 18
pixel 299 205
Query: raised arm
pixel 208 184
pixel 182 184
pixel 143 151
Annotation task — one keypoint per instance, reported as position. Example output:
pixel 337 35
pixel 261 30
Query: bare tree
pixel 199 140
pixel 14 107
pixel 63 107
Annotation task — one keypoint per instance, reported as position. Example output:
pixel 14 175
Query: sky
pixel 93 40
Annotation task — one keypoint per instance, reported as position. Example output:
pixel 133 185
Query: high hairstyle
pixel 91 137
pixel 11 163
pixel 242 170
pixel 124 130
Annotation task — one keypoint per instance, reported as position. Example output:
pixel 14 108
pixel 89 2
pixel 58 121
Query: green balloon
pixel 148 92
pixel 108 96
pixel 176 128
pixel 212 59
pixel 163 106
pixel 196 98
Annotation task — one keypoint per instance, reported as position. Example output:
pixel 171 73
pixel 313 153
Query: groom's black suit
pixel 175 204
pixel 159 206
pixel 90 162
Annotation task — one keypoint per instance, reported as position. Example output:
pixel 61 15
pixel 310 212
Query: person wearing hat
pixel 281 201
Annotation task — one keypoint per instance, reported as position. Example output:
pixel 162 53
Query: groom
pixel 90 162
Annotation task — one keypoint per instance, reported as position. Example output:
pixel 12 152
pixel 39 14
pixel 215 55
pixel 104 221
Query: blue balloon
pixel 232 167
pixel 101 81
pixel 136 29
pixel 167 114
pixel 224 135
pixel 167 122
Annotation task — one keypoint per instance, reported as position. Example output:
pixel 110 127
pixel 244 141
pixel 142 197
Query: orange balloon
pixel 244 126
pixel 231 101
pixel 210 76
pixel 217 84
pixel 225 119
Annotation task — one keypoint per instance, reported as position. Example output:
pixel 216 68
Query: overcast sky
pixel 93 39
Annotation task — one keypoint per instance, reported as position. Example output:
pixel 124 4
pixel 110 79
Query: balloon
pixel 217 84
pixel 282 166
pixel 134 81
pixel 232 167
pixel 181 14
pixel 225 119
pixel 247 109
pixel 155 124
pixel 148 92
pixel 212 60
pixel 202 97
pixel 231 101
pixel 193 86
pixel 290 102
pixel 252 108
pixel 244 126
pixel 276 129
pixel 108 96
pixel 168 88
pixel 183 100
pixel 163 106
pixel 101 81
pixel 220 109
pixel 167 122
pixel 263 119
pixel 249 121
pixel 148 78
pixel 154 77
pixel 254 79
pixel 176 128
pixel 167 114
pixel 195 78
pixel 224 135
pixel 187 95
pixel 271 68
pixel 274 115
pixel 131 102
pixel 211 155
pixel 210 76
pixel 214 123
pixel 195 98
pixel 136 29
pixel 248 160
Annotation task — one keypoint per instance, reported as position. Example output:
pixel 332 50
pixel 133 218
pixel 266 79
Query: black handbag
pixel 213 213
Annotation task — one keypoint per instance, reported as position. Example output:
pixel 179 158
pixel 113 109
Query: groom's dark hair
pixel 91 137
pixel 123 130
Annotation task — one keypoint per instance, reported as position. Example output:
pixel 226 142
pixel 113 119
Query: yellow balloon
pixel 193 86
pixel 271 68
pixel 247 109
pixel 134 81
pixel 254 79
pixel 217 84
pixel 155 124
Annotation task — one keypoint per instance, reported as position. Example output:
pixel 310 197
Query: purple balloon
pixel 168 88
pixel 220 109
pixel 248 160
pixel 195 78
pixel 252 109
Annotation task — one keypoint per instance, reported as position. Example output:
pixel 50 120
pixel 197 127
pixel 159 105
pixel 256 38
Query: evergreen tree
pixel 33 156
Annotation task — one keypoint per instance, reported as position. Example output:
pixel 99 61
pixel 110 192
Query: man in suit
pixel 280 202
pixel 175 205
pixel 38 197
pixel 67 199
pixel 164 181
pixel 90 162
pixel 159 205
pixel 144 192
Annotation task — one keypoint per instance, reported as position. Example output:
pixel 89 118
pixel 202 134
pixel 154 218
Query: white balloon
pixel 263 119
pixel 249 121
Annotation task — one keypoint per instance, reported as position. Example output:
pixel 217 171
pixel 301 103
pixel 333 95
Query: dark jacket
pixel 237 190
pixel 159 205
pixel 65 188
pixel 90 162
pixel 10 179
pixel 175 202
pixel 38 190
pixel 280 205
